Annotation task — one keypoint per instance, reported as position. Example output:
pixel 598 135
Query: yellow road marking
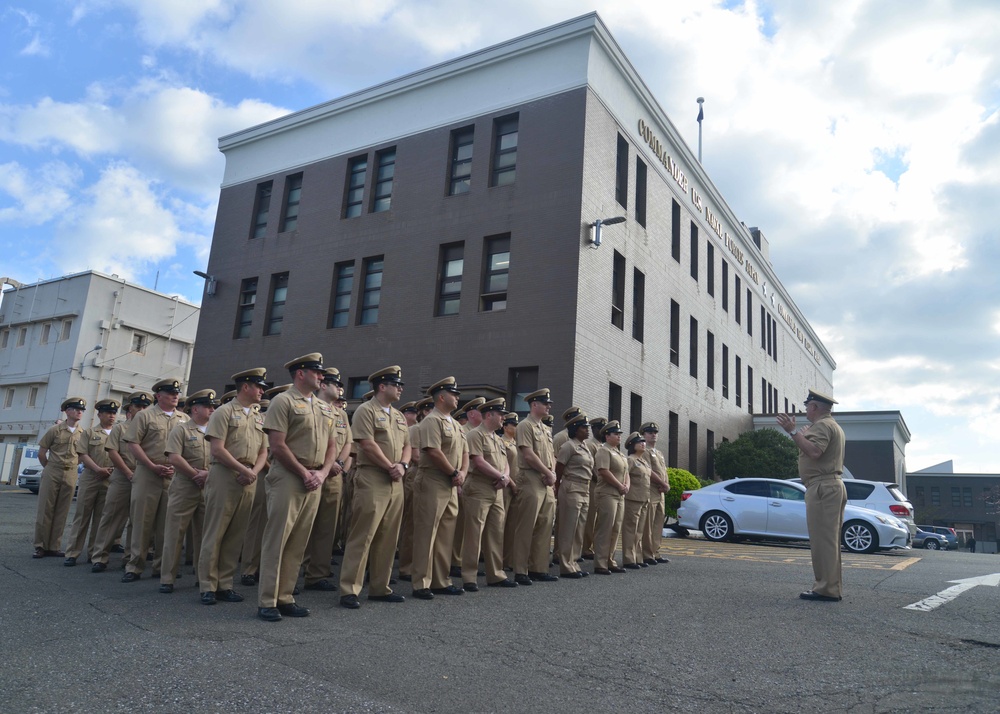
pixel 761 553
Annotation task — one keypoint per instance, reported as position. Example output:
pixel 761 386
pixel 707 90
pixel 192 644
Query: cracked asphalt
pixel 719 629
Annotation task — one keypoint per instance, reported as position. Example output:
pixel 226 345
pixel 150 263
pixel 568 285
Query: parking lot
pixel 718 629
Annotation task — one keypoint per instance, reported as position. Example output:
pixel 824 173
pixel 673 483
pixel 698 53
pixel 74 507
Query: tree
pixel 766 453
pixel 680 481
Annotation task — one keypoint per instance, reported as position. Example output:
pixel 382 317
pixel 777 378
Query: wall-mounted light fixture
pixel 595 229
pixel 210 282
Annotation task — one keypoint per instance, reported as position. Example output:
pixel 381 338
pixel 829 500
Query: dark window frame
pixel 694 251
pixel 621 172
pixel 638 304
pixel 675 333
pixel 501 129
pixel 245 308
pixel 291 202
pixel 261 209
pixel 385 174
pixel 273 324
pixel 618 291
pixel 354 186
pixel 343 286
pixel 614 402
pixel 460 164
pixel 640 191
pixel 365 309
pixel 675 230
pixel 492 299
pixel 449 293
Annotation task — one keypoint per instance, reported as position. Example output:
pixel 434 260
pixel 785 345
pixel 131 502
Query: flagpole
pixel 701 115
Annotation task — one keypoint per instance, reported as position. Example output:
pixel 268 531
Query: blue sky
pixel 861 136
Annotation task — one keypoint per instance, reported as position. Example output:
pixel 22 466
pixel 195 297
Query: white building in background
pixel 90 335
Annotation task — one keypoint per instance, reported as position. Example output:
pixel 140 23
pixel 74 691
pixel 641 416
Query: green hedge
pixel 680 481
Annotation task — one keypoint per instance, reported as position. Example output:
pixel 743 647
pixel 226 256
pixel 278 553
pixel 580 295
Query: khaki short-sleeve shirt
pixel 64 446
pixel 485 443
pixel 150 428
pixel 241 432
pixel 612 460
pixel 341 428
pixel 577 461
pixel 829 437
pixel 188 441
pixel 658 464
pixel 95 441
pixel 307 423
pixel 386 428
pixel 536 436
pixel 440 431
pixel 116 442
pixel 638 472
pixel 558 440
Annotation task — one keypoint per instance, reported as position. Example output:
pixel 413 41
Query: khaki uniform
pixel 508 503
pixel 593 444
pixel 58 481
pixel 92 492
pixel 610 507
pixel 346 497
pixel 228 502
pixel 319 549
pixel 308 425
pixel 456 544
pixel 573 502
pixel 116 501
pixel 148 508
pixel 185 499
pixel 655 514
pixel 826 499
pixel 636 508
pixel 535 506
pixel 484 509
pixel 435 502
pixel 406 524
pixel 250 553
pixel 377 510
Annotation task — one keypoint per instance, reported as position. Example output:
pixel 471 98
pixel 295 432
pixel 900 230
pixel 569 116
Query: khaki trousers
pixel 633 526
pixel 534 512
pixel 588 529
pixel 435 509
pixel 508 528
pixel 185 507
pixel 87 517
pixel 456 544
pixel 250 554
pixel 377 513
pixel 113 518
pixel 484 522
pixel 319 549
pixel 290 513
pixel 825 502
pixel 227 510
pixel 572 508
pixel 653 536
pixel 346 496
pixel 149 516
pixel 406 525
pixel 607 528
pixel 55 494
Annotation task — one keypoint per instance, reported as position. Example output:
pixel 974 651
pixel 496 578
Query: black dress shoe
pixel 810 595
pixel 616 569
pixel 522 580
pixel 69 562
pixel 54 554
pixel 406 578
pixel 208 598
pixel 323 585
pixel 38 553
pixel 167 588
pixel 248 580
pixel 661 559
pixel 471 587
pixel 296 591
pixel 580 559
pixel 423 594
pixel 572 576
pixel 350 602
pixel 269 614
pixel 98 567
pixel 228 596
pixel 542 577
pixel 293 610
pixel 117 549
pixel 391 597
pixel 651 561
pixel 602 571
pixel 130 577
pixel 643 565
pixel 392 581
pixel 588 556
pixel 508 583
pixel 456 571
pixel 632 566
pixel 450 590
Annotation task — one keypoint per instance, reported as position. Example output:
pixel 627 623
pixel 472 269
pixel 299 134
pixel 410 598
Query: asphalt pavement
pixel 719 629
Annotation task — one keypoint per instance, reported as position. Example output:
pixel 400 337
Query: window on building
pixel 32 396
pixel 694 251
pixel 67 329
pixel 357 168
pixel 139 343
pixel 725 285
pixel 22 336
pixel 710 360
pixel 343 288
pixel 262 206
pixel 640 192
pixel 774 339
pixel 496 274
pixel 786 405
pixel 504 150
pixel 4 339
pixel 765 396
pixel 46 331
pixel 710 453
pixel 673 433
pixel 460 178
pixel 675 230
pixel 693 447
pixel 521 381
pixel 935 496
pixel 738 371
pixel 357 387
pixel 736 297
pixel 750 389
pixel 450 279
pixel 618 291
pixel 638 303
pixel 614 402
pixel 967 497
pixel 693 367
pixel 634 411
pixel 293 195
pixel 244 312
pixel 621 172
pixel 956 496
pixel 276 308
pixel 749 312
pixel 371 295
pixel 675 333
pixel 710 268
pixel 8 398
pixel 920 494
pixel 765 329
pixel 725 371
pixel 386 163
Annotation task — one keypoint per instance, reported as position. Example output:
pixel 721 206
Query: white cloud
pixel 38 194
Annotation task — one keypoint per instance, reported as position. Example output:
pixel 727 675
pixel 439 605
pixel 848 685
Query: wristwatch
pixel 793 432
pixel 454 474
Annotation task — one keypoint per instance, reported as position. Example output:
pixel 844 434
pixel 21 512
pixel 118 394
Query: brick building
pixel 445 221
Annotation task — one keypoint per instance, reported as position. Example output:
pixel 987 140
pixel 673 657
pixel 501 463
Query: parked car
pixel 30 478
pixel 948 533
pixel 879 496
pixel 929 541
pixel 770 508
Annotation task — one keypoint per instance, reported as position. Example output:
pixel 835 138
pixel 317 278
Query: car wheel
pixel 930 544
pixel 859 537
pixel 717 526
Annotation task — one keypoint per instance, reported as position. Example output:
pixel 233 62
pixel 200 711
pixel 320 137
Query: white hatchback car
pixel 776 509
pixel 880 496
